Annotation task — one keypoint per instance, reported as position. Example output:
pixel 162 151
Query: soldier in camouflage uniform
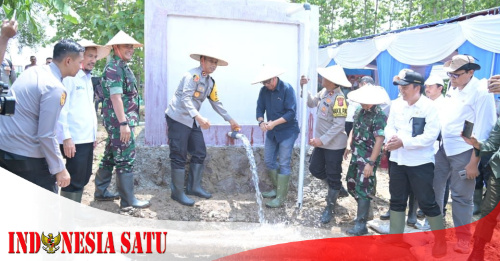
pixel 329 137
pixel 365 140
pixel 121 114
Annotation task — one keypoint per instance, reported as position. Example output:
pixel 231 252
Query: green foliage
pixel 30 13
pixel 101 21
pixel 346 19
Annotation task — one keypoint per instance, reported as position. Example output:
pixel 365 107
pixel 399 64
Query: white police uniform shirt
pixel 416 150
pixel 473 103
pixel 30 132
pixel 78 119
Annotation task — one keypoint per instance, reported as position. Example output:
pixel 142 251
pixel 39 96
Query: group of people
pixel 422 134
pixel 55 119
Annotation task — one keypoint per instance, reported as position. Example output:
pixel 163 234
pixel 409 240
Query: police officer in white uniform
pixel 28 144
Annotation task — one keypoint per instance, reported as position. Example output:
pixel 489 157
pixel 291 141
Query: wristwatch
pixel 124 123
pixel 260 122
pixel 371 163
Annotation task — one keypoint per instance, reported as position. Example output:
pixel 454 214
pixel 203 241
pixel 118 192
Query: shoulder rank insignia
pixel 196 78
pixel 63 98
pixel 51 242
pixel 213 94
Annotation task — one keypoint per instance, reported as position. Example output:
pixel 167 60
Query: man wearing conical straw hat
pixel 278 101
pixel 77 124
pixel 120 111
pixel 329 139
pixel 365 140
pixel 185 122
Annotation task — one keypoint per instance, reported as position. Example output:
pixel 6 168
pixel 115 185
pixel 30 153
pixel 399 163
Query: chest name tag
pixel 340 107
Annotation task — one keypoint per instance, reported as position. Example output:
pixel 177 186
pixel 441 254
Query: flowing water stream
pixel 255 177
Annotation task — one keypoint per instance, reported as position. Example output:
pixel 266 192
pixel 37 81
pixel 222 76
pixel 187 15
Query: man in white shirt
pixel 77 124
pixel 466 100
pixel 412 128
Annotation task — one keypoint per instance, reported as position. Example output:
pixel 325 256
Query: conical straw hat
pixel 102 51
pixel 335 74
pixel 267 72
pixel 209 51
pixel 369 94
pixel 122 38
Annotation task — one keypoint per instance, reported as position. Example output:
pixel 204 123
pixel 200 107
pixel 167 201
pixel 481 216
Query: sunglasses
pixel 455 75
pixel 266 81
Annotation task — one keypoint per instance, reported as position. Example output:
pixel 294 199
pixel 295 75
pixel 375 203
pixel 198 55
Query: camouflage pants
pixel 118 154
pixel 357 185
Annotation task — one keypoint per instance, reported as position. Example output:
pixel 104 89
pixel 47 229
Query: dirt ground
pixel 233 194
pixel 228 178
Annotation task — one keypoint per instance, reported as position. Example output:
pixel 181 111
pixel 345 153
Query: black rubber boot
pixel 273 176
pixel 177 186
pixel 386 215
pixel 125 182
pixel 102 181
pixel 75 196
pixel 478 198
pixel 412 212
pixel 359 228
pixel 194 181
pixel 331 200
pixel 343 192
pixel 437 226
pixel 477 253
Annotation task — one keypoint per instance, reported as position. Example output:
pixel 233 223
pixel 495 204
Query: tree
pixel 28 14
pixel 102 20
pixel 346 19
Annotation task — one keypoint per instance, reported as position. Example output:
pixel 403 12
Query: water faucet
pixel 235 134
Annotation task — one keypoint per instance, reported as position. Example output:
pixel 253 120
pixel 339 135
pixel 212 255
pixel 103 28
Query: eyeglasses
pixel 455 75
pixel 266 81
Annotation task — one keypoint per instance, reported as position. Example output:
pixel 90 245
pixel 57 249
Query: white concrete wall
pixel 249 34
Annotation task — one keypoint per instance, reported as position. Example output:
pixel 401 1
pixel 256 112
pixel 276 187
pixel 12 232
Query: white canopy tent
pixel 420 46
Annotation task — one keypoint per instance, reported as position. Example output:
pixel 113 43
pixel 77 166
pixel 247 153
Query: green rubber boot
pixel 281 191
pixel 273 175
pixel 397 222
pixel 437 226
pixel 75 196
